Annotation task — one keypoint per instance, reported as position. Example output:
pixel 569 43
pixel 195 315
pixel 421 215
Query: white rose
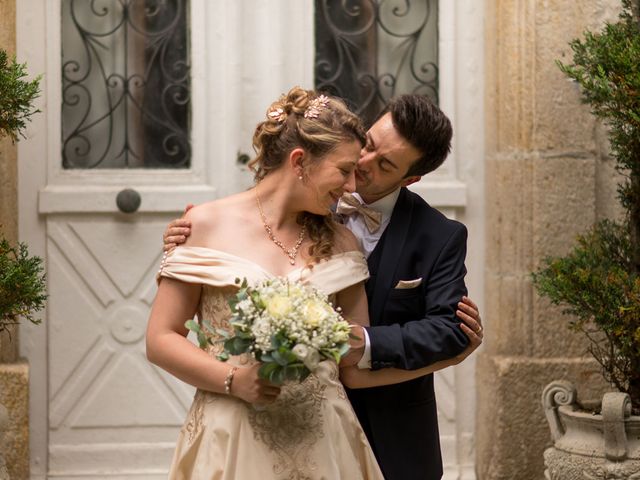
pixel 301 351
pixel 279 306
pixel 308 355
pixel 312 360
pixel 315 313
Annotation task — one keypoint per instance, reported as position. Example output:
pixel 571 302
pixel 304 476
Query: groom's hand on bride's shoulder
pixel 177 231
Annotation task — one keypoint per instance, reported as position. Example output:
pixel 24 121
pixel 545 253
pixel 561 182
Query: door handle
pixel 128 200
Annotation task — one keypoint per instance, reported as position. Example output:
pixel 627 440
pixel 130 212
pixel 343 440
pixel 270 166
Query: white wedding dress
pixel 310 432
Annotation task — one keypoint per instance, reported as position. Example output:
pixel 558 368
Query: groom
pixel 416 262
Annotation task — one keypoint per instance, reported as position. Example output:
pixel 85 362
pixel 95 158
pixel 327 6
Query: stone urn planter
pixel 588 446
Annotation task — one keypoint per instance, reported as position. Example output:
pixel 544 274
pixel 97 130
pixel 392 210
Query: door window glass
pixel 370 50
pixel 125 84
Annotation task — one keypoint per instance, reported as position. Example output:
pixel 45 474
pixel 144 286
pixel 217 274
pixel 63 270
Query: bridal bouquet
pixel 287 326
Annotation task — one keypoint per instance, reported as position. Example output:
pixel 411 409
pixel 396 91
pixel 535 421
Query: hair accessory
pixel 316 106
pixel 276 114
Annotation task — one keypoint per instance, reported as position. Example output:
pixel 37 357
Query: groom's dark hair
pixel 419 121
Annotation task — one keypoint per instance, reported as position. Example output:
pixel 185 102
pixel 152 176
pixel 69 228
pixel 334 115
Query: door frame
pixel 459 193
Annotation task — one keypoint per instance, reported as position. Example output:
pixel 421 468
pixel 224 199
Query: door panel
pixel 106 399
pixel 112 82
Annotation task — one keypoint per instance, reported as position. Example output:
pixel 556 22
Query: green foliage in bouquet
pixel 22 285
pixel 286 326
pixel 16 96
pixel 598 281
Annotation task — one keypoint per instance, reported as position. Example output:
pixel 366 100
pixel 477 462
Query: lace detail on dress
pixel 290 427
pixel 214 307
pixel 193 426
pixel 334 376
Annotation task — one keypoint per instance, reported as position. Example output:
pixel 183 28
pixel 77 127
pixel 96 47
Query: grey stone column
pixel 548 178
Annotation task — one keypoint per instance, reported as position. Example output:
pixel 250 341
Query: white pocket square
pixel 404 284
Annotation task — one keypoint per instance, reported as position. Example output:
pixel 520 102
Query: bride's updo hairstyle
pixel 316 123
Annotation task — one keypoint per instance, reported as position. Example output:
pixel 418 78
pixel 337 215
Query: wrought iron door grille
pixel 125 84
pixel 370 50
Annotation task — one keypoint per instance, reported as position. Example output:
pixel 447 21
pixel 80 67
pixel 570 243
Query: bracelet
pixel 229 379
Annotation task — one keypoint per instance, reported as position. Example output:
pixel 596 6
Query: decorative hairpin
pixel 276 114
pixel 316 106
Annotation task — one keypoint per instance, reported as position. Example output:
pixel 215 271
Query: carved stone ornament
pixel 587 446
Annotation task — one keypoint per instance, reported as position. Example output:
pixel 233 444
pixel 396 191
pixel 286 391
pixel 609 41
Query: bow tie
pixel 348 205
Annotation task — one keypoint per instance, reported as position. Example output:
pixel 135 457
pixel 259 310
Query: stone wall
pixel 14 374
pixel 14 395
pixel 548 178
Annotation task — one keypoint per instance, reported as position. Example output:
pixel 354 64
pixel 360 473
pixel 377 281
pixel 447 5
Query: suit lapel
pixel 392 249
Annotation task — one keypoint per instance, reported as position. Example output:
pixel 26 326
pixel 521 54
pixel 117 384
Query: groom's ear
pixel 409 180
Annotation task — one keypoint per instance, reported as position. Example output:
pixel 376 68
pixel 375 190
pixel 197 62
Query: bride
pixel 307 150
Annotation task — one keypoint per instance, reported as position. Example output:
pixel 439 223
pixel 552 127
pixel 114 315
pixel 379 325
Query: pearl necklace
pixel 292 253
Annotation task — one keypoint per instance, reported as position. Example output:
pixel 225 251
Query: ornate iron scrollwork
pixel 125 84
pixel 369 50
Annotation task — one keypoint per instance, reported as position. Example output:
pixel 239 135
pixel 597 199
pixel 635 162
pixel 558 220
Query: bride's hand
pixel 248 386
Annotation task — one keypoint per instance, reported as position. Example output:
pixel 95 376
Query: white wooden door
pixel 110 412
pixel 99 408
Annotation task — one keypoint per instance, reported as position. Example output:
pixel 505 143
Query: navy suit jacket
pixel 411 328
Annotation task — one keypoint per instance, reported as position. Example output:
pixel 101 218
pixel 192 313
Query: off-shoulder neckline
pixel 335 256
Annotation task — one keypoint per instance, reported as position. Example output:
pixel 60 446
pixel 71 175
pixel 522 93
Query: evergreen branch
pixel 16 97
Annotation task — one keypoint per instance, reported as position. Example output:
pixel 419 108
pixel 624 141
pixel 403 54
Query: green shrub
pixel 596 284
pixel 16 97
pixel 22 284
pixel 598 281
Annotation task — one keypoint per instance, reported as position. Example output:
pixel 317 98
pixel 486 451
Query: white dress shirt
pixel 368 242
